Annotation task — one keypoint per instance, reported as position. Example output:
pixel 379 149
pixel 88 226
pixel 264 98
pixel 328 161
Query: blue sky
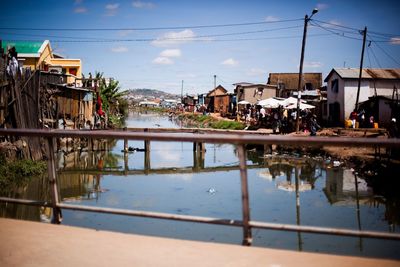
pixel 162 58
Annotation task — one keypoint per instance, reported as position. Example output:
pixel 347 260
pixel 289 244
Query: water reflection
pixel 171 177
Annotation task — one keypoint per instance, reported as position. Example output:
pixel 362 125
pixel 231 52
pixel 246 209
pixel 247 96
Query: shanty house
pixel 40 56
pixel 287 83
pixel 212 96
pixel 252 93
pixel 342 86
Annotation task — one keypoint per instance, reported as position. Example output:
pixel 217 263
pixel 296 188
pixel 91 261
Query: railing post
pixel 125 142
pixel 51 169
pixel 247 236
pixel 146 142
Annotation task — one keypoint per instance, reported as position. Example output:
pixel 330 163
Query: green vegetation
pixel 112 99
pixel 231 125
pixel 204 121
pixel 18 173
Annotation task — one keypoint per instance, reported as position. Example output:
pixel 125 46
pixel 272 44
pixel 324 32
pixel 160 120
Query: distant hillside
pixel 151 93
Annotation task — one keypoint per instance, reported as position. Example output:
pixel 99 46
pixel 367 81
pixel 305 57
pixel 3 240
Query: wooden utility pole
pixel 182 93
pixel 361 67
pixel 300 86
pixel 215 91
pixel 300 83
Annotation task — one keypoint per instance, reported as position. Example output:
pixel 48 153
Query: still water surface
pixel 172 179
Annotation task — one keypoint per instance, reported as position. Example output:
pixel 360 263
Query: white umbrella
pixel 243 102
pixel 302 106
pixel 291 100
pixel 270 103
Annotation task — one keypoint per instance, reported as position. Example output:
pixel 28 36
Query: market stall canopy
pixel 291 100
pixel 270 103
pixel 303 106
pixel 243 102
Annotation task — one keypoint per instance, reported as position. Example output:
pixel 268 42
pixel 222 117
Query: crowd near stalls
pixel 279 114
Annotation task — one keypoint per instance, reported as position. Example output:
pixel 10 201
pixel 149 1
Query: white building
pixel 342 86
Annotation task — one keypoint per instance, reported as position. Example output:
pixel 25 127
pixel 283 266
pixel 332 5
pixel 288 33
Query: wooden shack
pixel 286 83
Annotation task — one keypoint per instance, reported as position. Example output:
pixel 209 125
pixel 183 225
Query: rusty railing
pixel 238 139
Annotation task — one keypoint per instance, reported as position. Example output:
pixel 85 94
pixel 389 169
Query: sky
pixel 160 43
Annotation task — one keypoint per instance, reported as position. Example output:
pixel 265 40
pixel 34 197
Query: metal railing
pixel 239 139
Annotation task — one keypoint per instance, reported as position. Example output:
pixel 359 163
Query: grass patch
pixel 228 125
pixel 204 121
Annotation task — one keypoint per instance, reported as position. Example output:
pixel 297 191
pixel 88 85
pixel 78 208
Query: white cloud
pixel 140 4
pixel 163 61
pixel 124 33
pixel 256 72
pixel 313 64
pixel 173 38
pixel 119 49
pixel 171 53
pixel 322 6
pixel 271 19
pixel 230 62
pixel 395 40
pixel 112 9
pixel 112 6
pixel 80 10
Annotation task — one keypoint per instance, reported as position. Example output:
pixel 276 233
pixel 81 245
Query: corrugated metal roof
pixel 23 47
pixel 353 73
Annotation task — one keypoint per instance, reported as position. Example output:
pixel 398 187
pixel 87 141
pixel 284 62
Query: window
pixel 335 85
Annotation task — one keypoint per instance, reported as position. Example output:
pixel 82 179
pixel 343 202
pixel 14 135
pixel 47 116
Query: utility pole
pixel 215 91
pixel 361 67
pixel 300 85
pixel 182 93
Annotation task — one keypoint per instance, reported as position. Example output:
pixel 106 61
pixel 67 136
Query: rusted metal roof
pixel 377 74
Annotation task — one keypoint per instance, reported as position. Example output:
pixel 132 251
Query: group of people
pixel 279 119
pixel 361 119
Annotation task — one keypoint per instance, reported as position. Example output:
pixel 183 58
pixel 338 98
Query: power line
pixel 373 53
pixel 192 39
pixel 152 28
pixel 377 34
pixel 334 32
pixel 158 39
pixel 387 54
pixel 336 25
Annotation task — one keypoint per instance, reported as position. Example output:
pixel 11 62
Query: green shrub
pixel 18 173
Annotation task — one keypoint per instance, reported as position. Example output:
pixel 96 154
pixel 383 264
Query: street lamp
pixel 300 87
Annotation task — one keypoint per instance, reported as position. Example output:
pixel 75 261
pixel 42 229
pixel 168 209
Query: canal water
pixel 173 179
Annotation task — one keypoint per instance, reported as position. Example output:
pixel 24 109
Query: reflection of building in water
pixel 75 186
pixel 37 189
pixel 340 188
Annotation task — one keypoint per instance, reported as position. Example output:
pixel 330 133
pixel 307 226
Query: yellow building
pixel 40 56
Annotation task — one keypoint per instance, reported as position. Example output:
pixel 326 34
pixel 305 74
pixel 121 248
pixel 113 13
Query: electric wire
pixel 386 53
pixel 151 28
pixel 157 39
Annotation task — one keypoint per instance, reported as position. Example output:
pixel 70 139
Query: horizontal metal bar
pixel 207 138
pixel 210 220
pixel 26 202
pixel 323 230
pixel 228 222
pixel 147 214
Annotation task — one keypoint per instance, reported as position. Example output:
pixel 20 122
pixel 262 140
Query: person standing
pixel 353 118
